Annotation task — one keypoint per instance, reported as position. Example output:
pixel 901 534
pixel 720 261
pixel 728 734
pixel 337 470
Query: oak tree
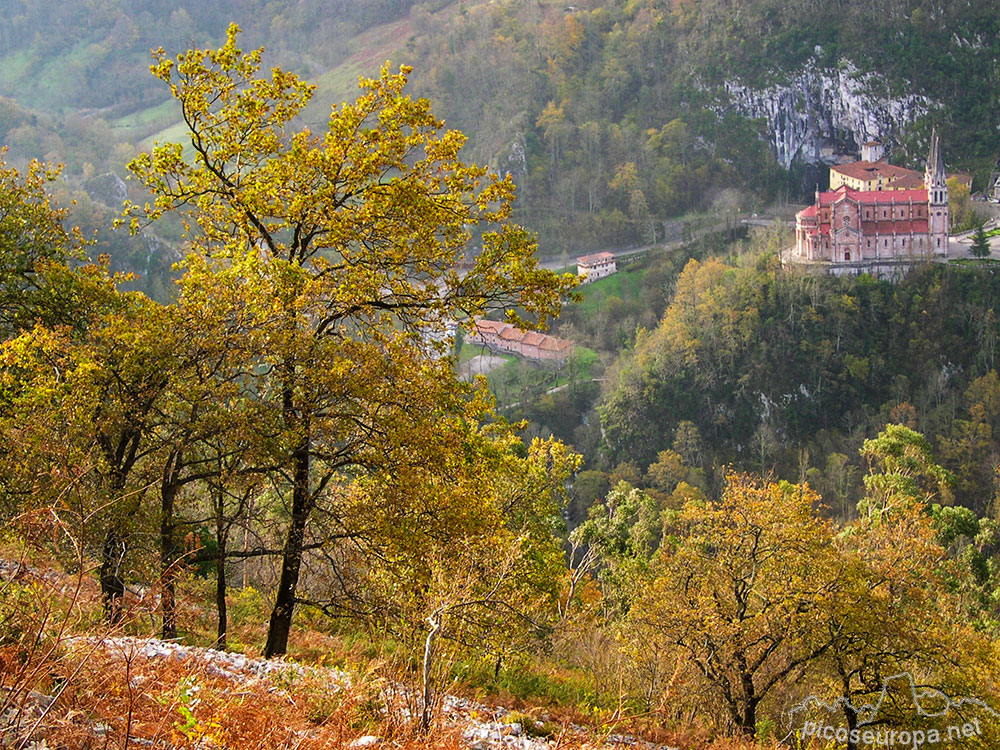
pixel 361 228
pixel 737 587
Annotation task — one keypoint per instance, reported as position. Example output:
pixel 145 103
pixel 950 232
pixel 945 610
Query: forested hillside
pixel 611 114
pixel 75 89
pixel 777 371
pixel 753 505
pixel 612 117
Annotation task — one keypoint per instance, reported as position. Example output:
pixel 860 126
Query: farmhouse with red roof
pixel 509 339
pixel 595 266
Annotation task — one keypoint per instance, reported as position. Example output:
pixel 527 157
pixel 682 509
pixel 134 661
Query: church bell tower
pixel 936 183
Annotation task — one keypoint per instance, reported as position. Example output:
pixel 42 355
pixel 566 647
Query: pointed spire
pixel 935 164
pixel 938 161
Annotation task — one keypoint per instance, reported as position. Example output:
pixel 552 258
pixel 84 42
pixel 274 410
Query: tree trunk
pixel 291 560
pixel 748 725
pixel 748 721
pixel 850 714
pixel 222 527
pixel 168 548
pixel 427 693
pixel 220 596
pixel 112 585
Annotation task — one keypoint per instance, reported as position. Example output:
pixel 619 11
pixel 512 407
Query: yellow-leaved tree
pixel 738 587
pixel 356 233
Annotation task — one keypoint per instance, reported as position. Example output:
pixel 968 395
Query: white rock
pixel 819 107
pixel 369 740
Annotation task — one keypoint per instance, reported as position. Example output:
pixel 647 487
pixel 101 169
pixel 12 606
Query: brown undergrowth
pixel 68 680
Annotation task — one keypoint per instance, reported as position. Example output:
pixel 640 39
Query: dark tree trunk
pixel 222 538
pixel 748 724
pixel 168 547
pixel 748 721
pixel 220 597
pixel 291 560
pixel 112 584
pixel 120 454
pixel 850 714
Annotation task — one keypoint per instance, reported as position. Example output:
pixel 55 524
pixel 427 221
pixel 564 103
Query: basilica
pixel 877 213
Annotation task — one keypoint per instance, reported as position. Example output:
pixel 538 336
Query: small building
pixel 596 266
pixel 554 349
pixel 963 178
pixel 530 344
pixel 487 333
pixel 509 339
pixel 872 151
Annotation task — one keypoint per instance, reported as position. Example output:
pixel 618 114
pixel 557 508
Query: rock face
pixel 821 111
pixel 108 188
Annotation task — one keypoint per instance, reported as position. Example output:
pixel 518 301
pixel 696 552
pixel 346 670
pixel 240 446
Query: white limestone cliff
pixel 818 109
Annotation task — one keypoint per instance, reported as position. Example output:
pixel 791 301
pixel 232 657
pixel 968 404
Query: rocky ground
pixel 479 726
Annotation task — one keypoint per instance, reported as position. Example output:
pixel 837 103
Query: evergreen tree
pixel 980 243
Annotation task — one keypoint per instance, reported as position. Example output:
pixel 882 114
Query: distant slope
pixel 368 52
pixel 92 61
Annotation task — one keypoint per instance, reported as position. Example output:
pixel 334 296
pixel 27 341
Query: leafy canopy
pixel 380 205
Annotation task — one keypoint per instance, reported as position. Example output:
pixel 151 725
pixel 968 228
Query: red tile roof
pixel 808 212
pixel 595 258
pixel 907 182
pixel 483 325
pixel 554 344
pixel 532 338
pixel 870 170
pixel 872 196
pixel 510 333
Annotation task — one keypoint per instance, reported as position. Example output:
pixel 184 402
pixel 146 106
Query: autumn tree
pixel 897 609
pixel 92 398
pixel 214 433
pixel 901 472
pixel 360 228
pixel 34 247
pixel 736 588
pixel 624 530
pixel 480 574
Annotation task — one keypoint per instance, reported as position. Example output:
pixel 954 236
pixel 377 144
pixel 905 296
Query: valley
pixel 507 374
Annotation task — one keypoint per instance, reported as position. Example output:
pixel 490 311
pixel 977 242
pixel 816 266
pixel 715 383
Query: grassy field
pixel 176 133
pixel 371 50
pixel 152 119
pixel 626 284
pixel 47 84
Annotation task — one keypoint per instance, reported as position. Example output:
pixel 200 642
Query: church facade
pixel 863 227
